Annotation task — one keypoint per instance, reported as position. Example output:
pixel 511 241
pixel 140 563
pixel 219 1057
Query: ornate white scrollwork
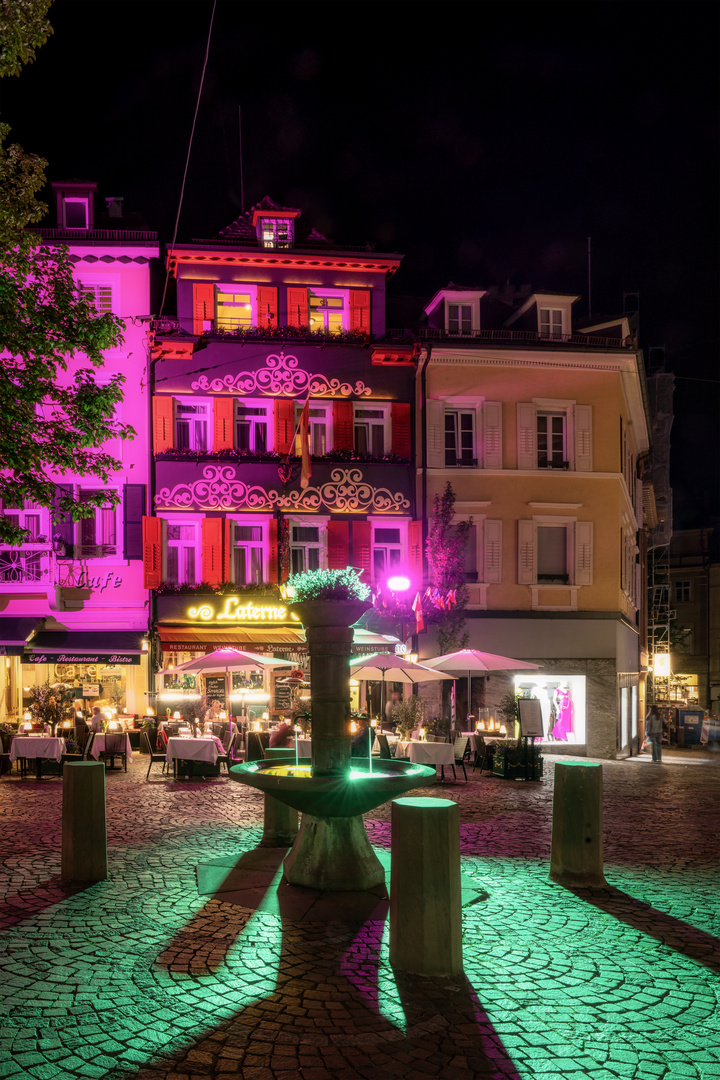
pixel 281 377
pixel 220 489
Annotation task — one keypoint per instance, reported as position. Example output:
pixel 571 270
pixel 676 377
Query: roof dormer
pixel 75 201
pixel 455 310
pixel 548 314
pixel 275 227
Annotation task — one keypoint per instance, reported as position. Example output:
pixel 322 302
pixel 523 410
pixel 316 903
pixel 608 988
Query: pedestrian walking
pixel 653 733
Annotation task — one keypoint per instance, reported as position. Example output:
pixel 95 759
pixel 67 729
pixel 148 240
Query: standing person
pixel 390 704
pixel 653 733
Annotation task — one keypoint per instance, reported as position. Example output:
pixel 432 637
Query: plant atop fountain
pixel 327 585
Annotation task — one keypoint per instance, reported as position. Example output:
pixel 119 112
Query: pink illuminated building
pixel 75 607
pixel 270 314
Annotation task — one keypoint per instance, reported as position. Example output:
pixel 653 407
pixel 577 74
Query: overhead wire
pixel 187 159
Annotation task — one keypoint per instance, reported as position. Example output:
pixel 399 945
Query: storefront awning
pixel 14 634
pixel 197 638
pixel 98 647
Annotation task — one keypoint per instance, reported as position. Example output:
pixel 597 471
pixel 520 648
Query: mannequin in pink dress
pixel 564 709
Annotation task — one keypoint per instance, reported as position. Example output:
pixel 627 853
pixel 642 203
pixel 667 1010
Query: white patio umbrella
pixel 474 660
pixel 226 660
pixel 402 670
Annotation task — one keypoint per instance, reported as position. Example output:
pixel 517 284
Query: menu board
pixel 215 689
pixel 530 717
pixel 283 697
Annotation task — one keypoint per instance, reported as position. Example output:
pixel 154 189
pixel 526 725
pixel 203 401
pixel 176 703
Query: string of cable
pixel 187 159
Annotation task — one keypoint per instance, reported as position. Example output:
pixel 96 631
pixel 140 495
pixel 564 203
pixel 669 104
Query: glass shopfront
pixel 562 704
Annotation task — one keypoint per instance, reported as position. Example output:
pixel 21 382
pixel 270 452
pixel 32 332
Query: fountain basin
pixel 334 796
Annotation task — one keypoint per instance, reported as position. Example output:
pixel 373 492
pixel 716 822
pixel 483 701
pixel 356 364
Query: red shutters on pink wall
pixel 415 551
pixel 298 307
pixel 267 306
pixel 274 563
pixel 203 305
pixel 163 434
pixel 284 425
pixel 338 545
pixel 343 425
pixel 401 444
pixel 224 416
pixel 360 310
pixel 152 552
pixel 362 547
pixel 212 560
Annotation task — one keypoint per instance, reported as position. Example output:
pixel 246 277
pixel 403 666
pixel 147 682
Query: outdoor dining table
pixel 98 744
pixel 427 753
pixel 37 748
pixel 204 750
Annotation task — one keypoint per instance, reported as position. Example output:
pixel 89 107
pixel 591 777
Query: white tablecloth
pixel 98 745
pixel 37 746
pixel 194 750
pixel 427 753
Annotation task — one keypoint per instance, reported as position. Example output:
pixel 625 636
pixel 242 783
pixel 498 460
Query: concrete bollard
pixel 576 854
pixel 84 833
pixel 425 895
pixel 280 822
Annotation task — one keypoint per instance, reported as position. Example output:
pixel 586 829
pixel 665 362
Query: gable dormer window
pixel 275 234
pixel 551 322
pixel 459 318
pixel 75 213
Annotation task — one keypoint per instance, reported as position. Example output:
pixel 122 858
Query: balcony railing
pixel 511 337
pixel 29 563
pixel 92 235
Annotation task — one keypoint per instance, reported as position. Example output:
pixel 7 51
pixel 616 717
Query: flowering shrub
pixel 328 585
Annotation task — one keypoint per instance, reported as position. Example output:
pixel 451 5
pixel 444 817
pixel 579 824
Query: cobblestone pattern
pixel 139 976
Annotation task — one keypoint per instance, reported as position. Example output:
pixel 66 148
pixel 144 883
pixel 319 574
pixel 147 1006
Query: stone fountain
pixel 332 790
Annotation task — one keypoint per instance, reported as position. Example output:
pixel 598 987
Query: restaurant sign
pixel 224 611
pixel 80 658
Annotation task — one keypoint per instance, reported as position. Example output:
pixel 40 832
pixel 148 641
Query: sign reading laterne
pixel 237 609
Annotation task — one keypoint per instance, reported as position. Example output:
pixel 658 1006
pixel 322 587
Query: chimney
pixel 114 204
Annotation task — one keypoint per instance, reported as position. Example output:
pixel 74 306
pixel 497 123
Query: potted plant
pixel 328 597
pixel 408 715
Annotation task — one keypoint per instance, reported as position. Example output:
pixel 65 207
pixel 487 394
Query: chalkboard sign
pixel 215 689
pixel 283 697
pixel 530 717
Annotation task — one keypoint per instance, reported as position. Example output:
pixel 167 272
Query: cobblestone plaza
pixel 169 971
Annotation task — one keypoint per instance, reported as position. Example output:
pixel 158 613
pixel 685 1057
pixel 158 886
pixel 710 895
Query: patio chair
pixel 255 751
pixel 460 747
pixel 483 753
pixel 115 746
pixel 227 759
pixel 384 745
pixel 88 746
pixel 154 755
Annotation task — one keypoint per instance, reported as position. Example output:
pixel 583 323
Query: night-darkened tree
pixel 55 417
pixel 445 551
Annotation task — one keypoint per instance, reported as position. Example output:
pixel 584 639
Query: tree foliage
pixel 56 417
pixel 445 551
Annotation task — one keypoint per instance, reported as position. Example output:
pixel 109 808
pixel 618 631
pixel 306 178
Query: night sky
pixel 484 141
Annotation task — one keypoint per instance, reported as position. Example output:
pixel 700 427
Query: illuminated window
pixel 181 553
pixel 370 429
pixel 235 307
pixel 247 554
pixel 97 533
pixel 191 426
pixel 328 311
pixel 551 322
pixel 460 437
pixel 251 427
pixel 276 233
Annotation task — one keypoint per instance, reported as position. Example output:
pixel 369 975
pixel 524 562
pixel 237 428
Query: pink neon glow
pixel 400 583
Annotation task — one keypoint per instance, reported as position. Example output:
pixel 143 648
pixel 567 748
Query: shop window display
pixel 562 704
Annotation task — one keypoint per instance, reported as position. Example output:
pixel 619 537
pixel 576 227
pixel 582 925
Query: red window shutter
pixel 338 545
pixel 267 306
pixel 360 310
pixel 401 443
pixel 298 307
pixel 415 546
pixel 284 425
pixel 343 424
pixel 203 305
pixel 224 414
pixel 362 547
pixel 163 434
pixel 152 552
pixel 227 549
pixel 273 565
pixel 212 563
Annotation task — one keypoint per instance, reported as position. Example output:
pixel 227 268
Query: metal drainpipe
pixel 153 664
pixel 423 435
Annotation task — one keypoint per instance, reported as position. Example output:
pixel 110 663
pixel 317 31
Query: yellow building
pixel 540 429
